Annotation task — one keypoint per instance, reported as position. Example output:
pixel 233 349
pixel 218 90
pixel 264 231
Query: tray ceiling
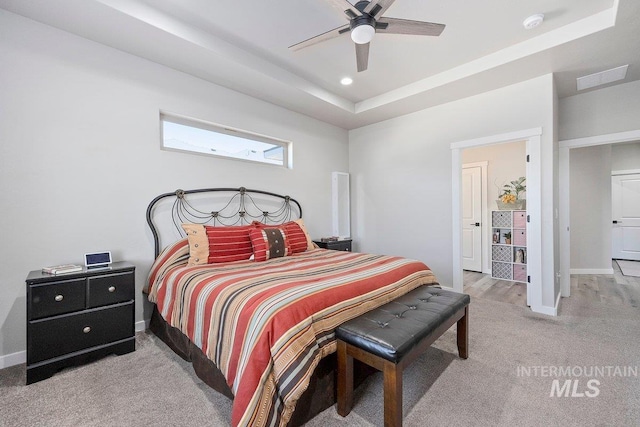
pixel 244 46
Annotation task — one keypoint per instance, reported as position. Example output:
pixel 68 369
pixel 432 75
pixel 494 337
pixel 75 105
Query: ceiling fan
pixel 365 19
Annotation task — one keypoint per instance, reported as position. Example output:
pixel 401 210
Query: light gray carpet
pixel 629 268
pixel 152 386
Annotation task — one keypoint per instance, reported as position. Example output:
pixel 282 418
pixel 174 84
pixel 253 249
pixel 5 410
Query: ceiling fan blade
pixel 320 38
pixel 377 7
pixel 345 8
pixel 362 56
pixel 407 26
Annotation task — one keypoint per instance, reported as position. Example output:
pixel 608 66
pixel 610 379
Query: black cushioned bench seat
pixel 390 337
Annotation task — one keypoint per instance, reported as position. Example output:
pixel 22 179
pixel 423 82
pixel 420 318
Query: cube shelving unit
pixel 509 255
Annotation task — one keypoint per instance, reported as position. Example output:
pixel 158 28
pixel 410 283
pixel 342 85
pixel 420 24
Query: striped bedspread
pixel 266 325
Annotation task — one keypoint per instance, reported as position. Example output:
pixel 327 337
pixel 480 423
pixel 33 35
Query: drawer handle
pixel 59 298
pixel 86 329
pixel 112 289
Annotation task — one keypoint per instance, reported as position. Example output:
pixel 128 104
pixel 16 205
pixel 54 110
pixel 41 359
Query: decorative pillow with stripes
pixel 269 242
pixel 209 245
pixel 297 236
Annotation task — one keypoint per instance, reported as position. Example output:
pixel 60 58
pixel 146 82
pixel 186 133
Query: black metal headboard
pixel 240 208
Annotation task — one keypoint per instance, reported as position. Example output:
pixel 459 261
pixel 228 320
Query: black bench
pixel 390 337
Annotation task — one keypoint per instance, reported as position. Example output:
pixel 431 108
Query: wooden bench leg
pixel 345 380
pixel 463 335
pixel 392 394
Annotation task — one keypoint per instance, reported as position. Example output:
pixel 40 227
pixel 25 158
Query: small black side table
pixel 336 245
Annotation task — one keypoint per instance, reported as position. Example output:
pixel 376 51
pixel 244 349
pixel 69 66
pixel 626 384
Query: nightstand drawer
pixel 110 289
pixel 65 334
pixel 56 298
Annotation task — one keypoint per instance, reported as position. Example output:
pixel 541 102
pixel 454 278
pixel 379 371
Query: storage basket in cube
pixel 520 237
pixel 520 273
pixel 501 219
pixel 501 253
pixel 501 270
pixel 519 219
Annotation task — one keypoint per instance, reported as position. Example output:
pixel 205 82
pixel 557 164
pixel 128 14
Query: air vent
pixel 602 78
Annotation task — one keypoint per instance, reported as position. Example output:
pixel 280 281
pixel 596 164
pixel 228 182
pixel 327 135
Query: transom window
pixel 195 136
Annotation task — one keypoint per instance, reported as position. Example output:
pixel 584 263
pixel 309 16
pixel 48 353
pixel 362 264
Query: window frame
pixel 287 154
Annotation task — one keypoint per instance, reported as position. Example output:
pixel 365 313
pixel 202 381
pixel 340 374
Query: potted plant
pixel 507 238
pixel 510 197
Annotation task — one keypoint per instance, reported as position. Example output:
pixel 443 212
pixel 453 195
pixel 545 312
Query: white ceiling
pixel 244 45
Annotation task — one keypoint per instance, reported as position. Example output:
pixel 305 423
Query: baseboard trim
pixel 591 271
pixel 142 325
pixel 13 359
pixel 545 309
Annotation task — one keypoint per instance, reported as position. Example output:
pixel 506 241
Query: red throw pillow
pixel 296 237
pixel 229 243
pixel 269 242
pixel 208 245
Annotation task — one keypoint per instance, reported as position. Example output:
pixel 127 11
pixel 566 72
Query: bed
pixel 257 319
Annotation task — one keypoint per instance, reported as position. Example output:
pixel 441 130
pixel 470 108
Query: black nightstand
pixel 336 245
pixel 78 317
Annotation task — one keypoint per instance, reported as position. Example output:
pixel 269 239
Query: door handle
pixel 616 222
pixel 477 224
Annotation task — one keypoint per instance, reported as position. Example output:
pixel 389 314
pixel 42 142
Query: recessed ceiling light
pixel 346 81
pixel 533 21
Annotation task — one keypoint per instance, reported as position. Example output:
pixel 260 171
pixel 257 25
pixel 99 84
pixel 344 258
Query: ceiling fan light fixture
pixel 362 34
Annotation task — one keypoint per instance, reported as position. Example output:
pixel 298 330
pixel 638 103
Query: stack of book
pixel 329 239
pixel 62 269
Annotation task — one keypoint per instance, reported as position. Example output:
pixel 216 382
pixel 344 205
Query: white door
pixel 625 195
pixel 471 218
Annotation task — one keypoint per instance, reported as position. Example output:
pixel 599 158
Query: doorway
pixel 532 138
pixel 485 171
pixel 565 147
pixel 600 175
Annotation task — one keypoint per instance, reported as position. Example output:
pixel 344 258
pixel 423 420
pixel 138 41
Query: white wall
pixel 609 110
pixel 401 174
pixel 76 115
pixel 625 156
pixel 590 204
pixel 506 163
